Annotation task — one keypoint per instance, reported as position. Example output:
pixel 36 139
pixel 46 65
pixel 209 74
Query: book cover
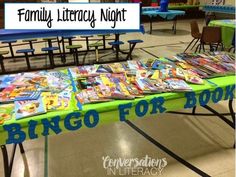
pixel 178 85
pixel 29 108
pixel 50 101
pixel 27 96
pixel 6 111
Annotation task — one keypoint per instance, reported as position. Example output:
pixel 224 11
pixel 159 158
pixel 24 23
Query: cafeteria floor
pixel 205 142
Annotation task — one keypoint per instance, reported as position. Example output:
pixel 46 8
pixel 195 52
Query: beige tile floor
pixel 205 142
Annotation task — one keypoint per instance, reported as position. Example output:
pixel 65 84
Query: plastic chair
pixel 195 33
pixel 210 36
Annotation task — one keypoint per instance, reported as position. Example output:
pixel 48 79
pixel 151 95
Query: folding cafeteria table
pixel 169 15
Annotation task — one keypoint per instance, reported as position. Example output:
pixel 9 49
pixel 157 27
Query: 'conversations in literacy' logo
pixel 134 166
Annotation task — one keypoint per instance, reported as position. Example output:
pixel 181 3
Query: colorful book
pixel 29 108
pixel 6 111
pixel 27 96
pixel 178 85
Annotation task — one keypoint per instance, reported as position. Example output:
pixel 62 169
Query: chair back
pixel 211 35
pixel 194 29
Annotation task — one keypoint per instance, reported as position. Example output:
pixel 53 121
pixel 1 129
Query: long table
pixel 227 30
pixel 169 15
pixel 92 115
pixel 226 9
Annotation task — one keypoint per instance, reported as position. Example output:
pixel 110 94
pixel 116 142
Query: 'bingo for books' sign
pixel 74 121
pixel 84 16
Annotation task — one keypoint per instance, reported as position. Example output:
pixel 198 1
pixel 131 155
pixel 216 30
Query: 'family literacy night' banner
pixel 93 115
pixel 80 16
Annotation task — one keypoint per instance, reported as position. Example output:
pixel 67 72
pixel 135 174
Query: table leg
pixel 150 25
pixel 63 50
pixel 27 61
pixel 8 166
pixel 130 52
pixel 5 161
pixel 104 42
pixel 63 59
pixel 174 25
pixel 31 46
pixel 2 64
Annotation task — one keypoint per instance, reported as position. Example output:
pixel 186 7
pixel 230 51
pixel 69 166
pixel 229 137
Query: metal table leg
pixel 8 166
pixel 150 25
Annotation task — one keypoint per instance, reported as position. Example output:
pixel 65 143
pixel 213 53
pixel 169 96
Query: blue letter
pixel 31 130
pixel 47 124
pixel 77 123
pixel 191 100
pixel 141 112
pixel 87 116
pixel 229 92
pixel 207 95
pixel 217 97
pixel 124 112
pixel 15 134
pixel 157 104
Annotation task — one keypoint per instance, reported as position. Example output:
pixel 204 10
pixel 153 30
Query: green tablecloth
pixel 214 90
pixel 227 29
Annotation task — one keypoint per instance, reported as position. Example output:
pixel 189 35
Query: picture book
pixel 178 85
pixel 27 96
pixel 58 75
pixel 116 67
pixel 135 65
pixel 5 94
pixel 192 78
pixel 6 80
pixel 104 68
pixel 29 108
pixel 64 99
pixel 83 71
pixel 6 111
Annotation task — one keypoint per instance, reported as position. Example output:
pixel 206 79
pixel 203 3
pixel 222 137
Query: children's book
pixel 58 75
pixel 29 108
pixel 90 96
pixel 64 99
pixel 6 111
pixel 6 80
pixel 27 96
pixel 192 77
pixel 135 65
pixel 83 71
pixel 56 101
pixel 178 85
pixel 5 94
pixel 104 68
pixel 116 67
